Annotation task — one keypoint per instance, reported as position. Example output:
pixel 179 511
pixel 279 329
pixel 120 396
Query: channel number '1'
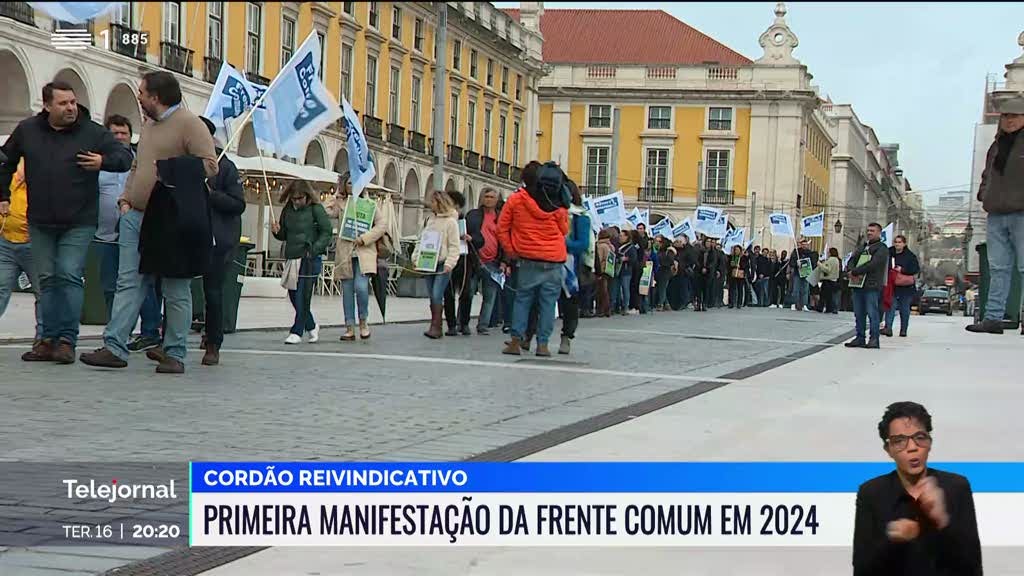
pixel 125 39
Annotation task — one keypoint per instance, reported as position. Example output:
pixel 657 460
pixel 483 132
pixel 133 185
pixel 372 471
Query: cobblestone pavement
pixel 397 396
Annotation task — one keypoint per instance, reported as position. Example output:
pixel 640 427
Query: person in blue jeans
pixel 800 288
pixel 905 262
pixel 623 283
pixel 1002 195
pixel 442 226
pixel 871 265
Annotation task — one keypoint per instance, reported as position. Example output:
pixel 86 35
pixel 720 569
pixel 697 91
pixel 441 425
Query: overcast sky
pixel 915 72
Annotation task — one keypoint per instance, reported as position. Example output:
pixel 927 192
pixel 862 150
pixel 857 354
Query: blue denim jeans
pixel 302 297
pixel 1005 238
pixel 108 253
pixel 151 313
pixel 800 290
pixel 132 290
pixel 761 287
pixel 355 292
pixel 902 304
pixel 489 291
pixel 15 259
pixel 59 256
pixel 865 308
pixel 436 286
pixel 539 283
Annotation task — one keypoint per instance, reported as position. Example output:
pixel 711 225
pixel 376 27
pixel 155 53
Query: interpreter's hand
pixel 275 227
pixel 903 530
pixel 5 208
pixel 90 161
pixel 933 502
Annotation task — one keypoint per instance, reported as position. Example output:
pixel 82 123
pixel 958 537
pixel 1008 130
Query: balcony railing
pixel 255 78
pixel 487 164
pixel 396 134
pixel 503 170
pixel 418 142
pixel 454 154
pixel 19 11
pixel 176 58
pixel 472 160
pixel 720 197
pixel 373 127
pixel 211 68
pixel 654 194
pixel 118 34
pixel 516 175
pixel 594 190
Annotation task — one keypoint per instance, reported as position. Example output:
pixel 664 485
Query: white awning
pixel 281 169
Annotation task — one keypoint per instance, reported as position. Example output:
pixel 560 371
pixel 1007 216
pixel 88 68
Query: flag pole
pixel 266 184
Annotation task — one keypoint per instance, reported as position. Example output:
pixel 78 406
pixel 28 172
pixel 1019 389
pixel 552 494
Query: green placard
pixel 358 218
pixel 805 267
pixel 645 278
pixel 428 250
pixel 609 265
pixel 858 281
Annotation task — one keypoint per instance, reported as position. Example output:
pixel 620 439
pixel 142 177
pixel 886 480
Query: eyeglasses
pixel 899 441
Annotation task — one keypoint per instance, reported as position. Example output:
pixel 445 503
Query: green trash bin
pixel 1012 316
pixel 94 305
pixel 232 292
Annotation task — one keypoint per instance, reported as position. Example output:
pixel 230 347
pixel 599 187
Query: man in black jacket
pixel 914 520
pixel 64 152
pixel 763 272
pixel 227 203
pixel 868 272
pixel 798 285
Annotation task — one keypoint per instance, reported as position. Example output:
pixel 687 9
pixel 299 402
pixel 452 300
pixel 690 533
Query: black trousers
pixel 737 292
pixel 827 297
pixel 570 308
pixel 213 289
pixel 458 292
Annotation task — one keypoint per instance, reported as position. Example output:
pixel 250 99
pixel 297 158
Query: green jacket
pixel 306 232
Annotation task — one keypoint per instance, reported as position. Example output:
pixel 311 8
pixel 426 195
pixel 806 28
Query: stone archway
pixel 471 199
pixel 391 178
pixel 123 102
pixel 81 90
pixel 412 203
pixel 341 161
pixel 451 186
pixel 15 97
pixel 315 155
pixel 247 142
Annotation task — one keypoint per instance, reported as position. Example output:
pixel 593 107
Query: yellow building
pixel 698 123
pixel 379 55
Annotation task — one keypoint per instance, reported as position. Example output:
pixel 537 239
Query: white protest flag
pixel 888 233
pixel 230 99
pixel 824 254
pixel 74 12
pixel 813 226
pixel 781 225
pixel 733 237
pixel 685 228
pixel 705 219
pixel 721 227
pixel 610 209
pixel 663 228
pixel 299 105
pixel 360 165
pixel 262 125
pixel 645 217
pixel 634 218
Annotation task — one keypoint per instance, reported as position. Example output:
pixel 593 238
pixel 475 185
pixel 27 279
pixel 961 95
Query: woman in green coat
pixel 306 231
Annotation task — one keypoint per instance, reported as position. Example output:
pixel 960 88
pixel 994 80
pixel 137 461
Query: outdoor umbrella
pixel 379 281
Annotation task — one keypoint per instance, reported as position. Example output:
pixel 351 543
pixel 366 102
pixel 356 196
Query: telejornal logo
pixel 112 491
pixel 71 39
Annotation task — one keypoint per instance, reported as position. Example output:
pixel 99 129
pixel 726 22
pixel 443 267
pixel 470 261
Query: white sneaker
pixel 314 335
pixel 793 307
pixel 293 339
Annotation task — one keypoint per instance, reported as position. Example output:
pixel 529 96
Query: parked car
pixel 936 301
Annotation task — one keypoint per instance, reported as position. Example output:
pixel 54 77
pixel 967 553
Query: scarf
pixel 1004 143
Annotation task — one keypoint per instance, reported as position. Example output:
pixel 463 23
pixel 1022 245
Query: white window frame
pixel 671 117
pixel 490 72
pixel 453 128
pixel 346 70
pixel 418 35
pixel 517 125
pixel 732 119
pixel 502 133
pixel 373 16
pixel 212 19
pixel 322 37
pixel 287 40
pixel 457 55
pixel 415 94
pixel 252 33
pixel 396 22
pixel 348 8
pixel 504 79
pixel 587 181
pixel 668 166
pixel 519 87
pixel 172 31
pixel 590 109
pixel 371 85
pixel 488 115
pixel 705 177
pixel 474 67
pixel 471 125
pixel 395 95
pixel 120 13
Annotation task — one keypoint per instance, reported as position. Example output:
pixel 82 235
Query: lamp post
pixel 968 233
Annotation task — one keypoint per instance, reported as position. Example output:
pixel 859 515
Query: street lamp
pixel 839 226
pixel 968 234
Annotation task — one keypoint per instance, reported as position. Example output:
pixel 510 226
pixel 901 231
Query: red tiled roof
pixel 653 37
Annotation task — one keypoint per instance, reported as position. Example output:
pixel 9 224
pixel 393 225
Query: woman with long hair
pixel 739 263
pixel 443 221
pixel 829 274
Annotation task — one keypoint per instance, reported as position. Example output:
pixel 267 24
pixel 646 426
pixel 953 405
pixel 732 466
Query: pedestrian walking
pixel 482 228
pixel 532 229
pixel 15 247
pixel 64 152
pixel 1001 193
pixel 441 230
pixel 828 273
pixel 579 244
pixel 868 271
pixel 907 267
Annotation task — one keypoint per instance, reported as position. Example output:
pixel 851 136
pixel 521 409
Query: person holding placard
pixel 605 263
pixel 802 263
pixel 867 278
pixel 436 255
pixel 361 225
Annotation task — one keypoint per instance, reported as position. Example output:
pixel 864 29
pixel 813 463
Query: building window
pixel 490 72
pixel 473 69
pixel 487 131
pixel 502 121
pixel 394 93
pixel 417 40
pixel 519 86
pixel 504 79
pixel 471 125
pixel 457 55
pixel 515 143
pixel 508 30
pixel 123 14
pixel 374 15
pixel 657 168
pixel 396 23
pixel 287 40
pixel 597 167
pixel 717 172
pixel 172 22
pixel 371 86
pixel 346 71
pixel 214 29
pixel 414 97
pixel 659 117
pixel 323 50
pixel 720 119
pixel 453 136
pixel 253 31
pixel 600 116
pixel 350 8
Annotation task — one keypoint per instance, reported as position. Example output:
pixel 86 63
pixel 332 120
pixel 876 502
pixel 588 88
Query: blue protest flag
pixel 360 165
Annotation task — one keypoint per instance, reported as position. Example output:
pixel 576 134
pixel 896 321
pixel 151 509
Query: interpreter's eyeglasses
pixel 899 441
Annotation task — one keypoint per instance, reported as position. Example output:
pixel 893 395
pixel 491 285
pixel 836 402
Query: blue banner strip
pixel 554 477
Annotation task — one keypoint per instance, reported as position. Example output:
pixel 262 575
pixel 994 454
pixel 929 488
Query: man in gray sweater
pixel 868 271
pixel 1002 194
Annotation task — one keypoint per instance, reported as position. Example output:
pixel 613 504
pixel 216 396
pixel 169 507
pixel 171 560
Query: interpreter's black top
pixel 953 551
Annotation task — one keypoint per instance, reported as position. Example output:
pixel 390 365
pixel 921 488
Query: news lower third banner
pixel 558 504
